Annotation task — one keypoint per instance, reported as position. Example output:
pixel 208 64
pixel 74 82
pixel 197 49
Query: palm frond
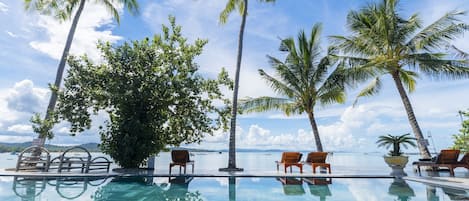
pixel 266 103
pixel 408 78
pixel 230 6
pixel 277 85
pixel 371 89
pixel 439 32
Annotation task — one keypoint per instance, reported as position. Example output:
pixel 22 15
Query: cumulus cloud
pixel 94 25
pixel 24 97
pixel 20 128
pixel 15 139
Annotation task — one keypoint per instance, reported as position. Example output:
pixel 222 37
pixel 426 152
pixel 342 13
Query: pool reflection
pixel 319 187
pixel 291 185
pixel 401 190
pixel 139 188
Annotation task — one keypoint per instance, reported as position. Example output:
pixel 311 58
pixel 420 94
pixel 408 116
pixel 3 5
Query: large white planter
pixel 397 163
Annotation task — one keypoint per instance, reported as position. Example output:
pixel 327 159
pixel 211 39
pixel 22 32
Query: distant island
pixel 18 147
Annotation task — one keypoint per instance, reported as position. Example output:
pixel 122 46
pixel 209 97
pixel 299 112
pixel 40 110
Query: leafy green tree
pixel 461 140
pixel 305 80
pixel 152 92
pixel 384 43
pixel 242 7
pixel 396 141
pixel 63 10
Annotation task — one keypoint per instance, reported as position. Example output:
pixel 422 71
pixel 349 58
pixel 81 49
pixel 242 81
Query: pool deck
pixel 451 182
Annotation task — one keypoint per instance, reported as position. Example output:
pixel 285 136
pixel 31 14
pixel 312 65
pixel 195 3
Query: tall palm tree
pixel 63 10
pixel 304 80
pixel 242 7
pixel 384 43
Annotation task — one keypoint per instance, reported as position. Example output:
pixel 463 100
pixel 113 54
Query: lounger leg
pixel 451 172
pixel 185 169
pixel 329 169
pixel 285 169
pixel 291 170
pixel 277 167
pixel 301 169
pixel 314 168
pixel 170 167
pixel 192 168
pixel 180 169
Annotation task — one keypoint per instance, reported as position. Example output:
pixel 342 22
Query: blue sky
pixel 31 45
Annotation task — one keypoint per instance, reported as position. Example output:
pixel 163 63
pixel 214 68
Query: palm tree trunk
pixel 314 126
pixel 61 68
pixel 411 116
pixel 234 111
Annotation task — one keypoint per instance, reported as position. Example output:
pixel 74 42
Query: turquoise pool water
pixel 221 189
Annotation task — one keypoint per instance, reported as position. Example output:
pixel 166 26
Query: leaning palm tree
pixel 242 7
pixel 63 10
pixel 384 43
pixel 304 81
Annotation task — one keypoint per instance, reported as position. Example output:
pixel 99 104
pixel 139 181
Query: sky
pixel 31 45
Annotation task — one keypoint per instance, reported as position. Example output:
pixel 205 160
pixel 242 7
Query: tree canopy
pixel 152 92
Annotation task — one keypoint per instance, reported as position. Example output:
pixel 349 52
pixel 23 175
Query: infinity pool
pixel 249 189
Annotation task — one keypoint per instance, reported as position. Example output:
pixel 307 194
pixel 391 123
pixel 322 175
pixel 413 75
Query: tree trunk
pixel 411 116
pixel 61 68
pixel 234 111
pixel 314 126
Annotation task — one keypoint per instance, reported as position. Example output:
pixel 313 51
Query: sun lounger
pixel 34 158
pixel 290 159
pixel 317 159
pixel 447 158
pixel 181 158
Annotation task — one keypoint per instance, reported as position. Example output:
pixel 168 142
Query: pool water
pixel 249 189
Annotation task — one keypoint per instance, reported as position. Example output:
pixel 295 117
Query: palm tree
pixel 384 43
pixel 63 10
pixel 242 7
pixel 396 142
pixel 305 80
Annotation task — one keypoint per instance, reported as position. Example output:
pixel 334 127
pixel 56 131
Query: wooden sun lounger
pixel 317 159
pixel 290 159
pixel 447 159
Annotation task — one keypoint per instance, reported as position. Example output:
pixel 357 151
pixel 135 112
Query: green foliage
pixel 152 93
pixel 396 141
pixel 461 140
pixel 382 42
pixel 43 127
pixel 63 9
pixel 233 5
pixel 305 79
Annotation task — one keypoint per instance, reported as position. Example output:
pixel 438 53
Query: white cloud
pixel 20 128
pixel 94 25
pixel 11 34
pixel 3 8
pixel 15 139
pixel 24 97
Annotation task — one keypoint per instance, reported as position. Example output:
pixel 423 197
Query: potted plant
pixel 395 159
